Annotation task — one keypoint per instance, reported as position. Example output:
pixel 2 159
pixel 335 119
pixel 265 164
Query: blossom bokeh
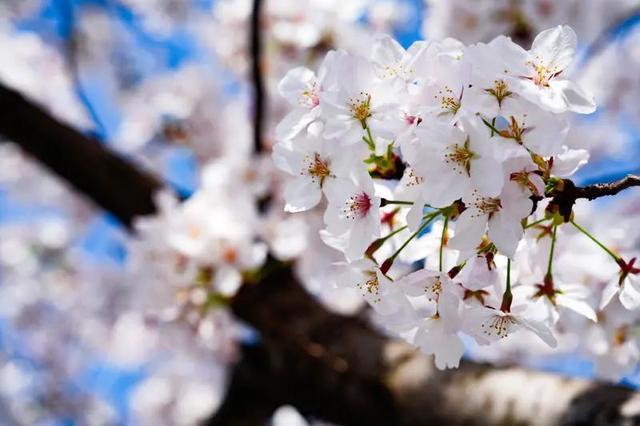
pixel 100 325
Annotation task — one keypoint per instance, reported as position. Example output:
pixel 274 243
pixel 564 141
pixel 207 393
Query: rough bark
pixel 328 366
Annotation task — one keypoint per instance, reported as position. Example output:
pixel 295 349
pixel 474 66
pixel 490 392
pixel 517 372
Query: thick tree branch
pixel 567 193
pixel 109 180
pixel 340 369
pixel 328 366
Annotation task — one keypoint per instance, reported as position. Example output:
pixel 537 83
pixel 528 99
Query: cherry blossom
pixel 452 161
pixel 537 73
pixel 352 213
pixel 499 216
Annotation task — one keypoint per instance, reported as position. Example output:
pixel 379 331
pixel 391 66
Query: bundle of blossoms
pixel 448 153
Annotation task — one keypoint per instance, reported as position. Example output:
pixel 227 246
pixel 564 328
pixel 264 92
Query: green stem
pixel 369 138
pixel 402 228
pixel 380 241
pixel 553 246
pixel 491 126
pixel 537 222
pixel 595 240
pixel 442 238
pixel 428 218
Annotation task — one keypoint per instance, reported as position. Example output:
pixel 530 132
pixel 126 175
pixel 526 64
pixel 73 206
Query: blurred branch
pixel 70 46
pixel 328 366
pixel 109 180
pixel 255 44
pixel 253 394
pixel 340 369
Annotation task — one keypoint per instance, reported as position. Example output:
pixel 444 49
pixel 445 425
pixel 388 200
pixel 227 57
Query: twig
pixel 591 192
pixel 70 56
pixel 565 197
pixel 255 44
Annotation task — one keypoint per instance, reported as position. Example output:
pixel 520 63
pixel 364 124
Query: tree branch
pixel 109 180
pixel 339 369
pixel 591 192
pixel 567 193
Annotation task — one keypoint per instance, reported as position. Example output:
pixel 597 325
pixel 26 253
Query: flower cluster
pixel 406 146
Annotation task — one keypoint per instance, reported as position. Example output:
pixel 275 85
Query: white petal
pixel 487 176
pixel 505 232
pixel 607 294
pixel 469 230
pixel 579 306
pixel 541 330
pixel 294 83
pixel 630 295
pixel 569 162
pixel 416 212
pixel 575 98
pixel 387 51
pixel 301 194
pixel 555 46
pixel 294 122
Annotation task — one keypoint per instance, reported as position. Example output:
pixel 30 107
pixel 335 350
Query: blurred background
pixel 166 83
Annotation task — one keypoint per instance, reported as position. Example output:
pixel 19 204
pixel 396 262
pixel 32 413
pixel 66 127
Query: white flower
pixel 356 101
pixel 523 172
pixel 302 89
pixel 490 90
pixel 447 78
pixel 452 161
pixel 432 337
pixel 537 73
pixel 353 213
pixel 480 271
pixel 488 325
pixel 433 320
pixel 312 162
pixel 523 128
pixel 382 295
pixel 431 293
pixel 627 287
pixel 554 293
pixel 500 216
pixel 397 65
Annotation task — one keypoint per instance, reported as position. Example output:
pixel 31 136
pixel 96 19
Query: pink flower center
pixel 412 119
pixel 542 73
pixel 358 206
pixel 310 98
